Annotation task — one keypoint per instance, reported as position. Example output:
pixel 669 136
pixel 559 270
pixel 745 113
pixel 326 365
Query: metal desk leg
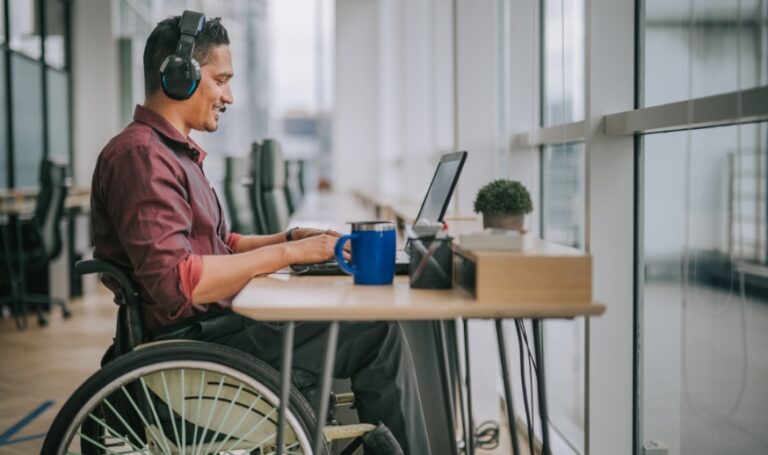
pixel 460 388
pixel 443 366
pixel 501 338
pixel 541 385
pixel 469 433
pixel 285 383
pixel 325 383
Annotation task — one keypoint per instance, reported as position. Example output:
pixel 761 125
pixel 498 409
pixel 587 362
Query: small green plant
pixel 503 196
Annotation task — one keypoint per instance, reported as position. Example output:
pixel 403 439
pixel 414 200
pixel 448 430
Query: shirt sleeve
pixel 190 271
pixel 148 204
pixel 232 240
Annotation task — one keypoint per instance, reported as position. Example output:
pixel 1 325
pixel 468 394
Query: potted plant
pixel 504 204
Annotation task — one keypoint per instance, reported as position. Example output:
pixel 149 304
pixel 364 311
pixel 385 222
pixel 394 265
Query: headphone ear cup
pixel 178 79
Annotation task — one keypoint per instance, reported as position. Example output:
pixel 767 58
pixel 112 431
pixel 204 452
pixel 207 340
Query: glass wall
pixel 27 110
pixel 39 99
pixel 563 62
pixel 3 124
pixel 705 291
pixel 703 47
pixel 703 316
pixel 563 202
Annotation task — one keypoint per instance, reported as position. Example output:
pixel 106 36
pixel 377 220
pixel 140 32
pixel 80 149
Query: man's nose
pixel 227 97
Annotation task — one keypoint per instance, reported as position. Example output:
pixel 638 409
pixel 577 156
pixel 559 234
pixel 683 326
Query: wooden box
pixel 545 273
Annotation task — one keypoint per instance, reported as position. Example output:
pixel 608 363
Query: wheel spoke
pixel 210 413
pixel 142 417
pixel 170 410
pixel 112 430
pixel 239 422
pixel 122 420
pixel 154 413
pixel 256 427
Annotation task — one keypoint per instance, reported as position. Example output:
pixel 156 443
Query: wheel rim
pixel 190 407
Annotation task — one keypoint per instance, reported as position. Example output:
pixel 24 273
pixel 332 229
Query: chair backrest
pixel 273 186
pixel 50 206
pixel 237 181
pixel 255 190
pixel 130 330
pixel 292 185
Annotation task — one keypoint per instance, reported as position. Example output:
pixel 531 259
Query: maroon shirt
pixel 151 208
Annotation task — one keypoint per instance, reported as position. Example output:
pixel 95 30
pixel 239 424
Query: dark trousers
pixel 374 355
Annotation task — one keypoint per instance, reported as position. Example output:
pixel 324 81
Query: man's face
pixel 213 93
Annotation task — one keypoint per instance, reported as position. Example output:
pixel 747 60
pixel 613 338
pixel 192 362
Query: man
pixel 154 212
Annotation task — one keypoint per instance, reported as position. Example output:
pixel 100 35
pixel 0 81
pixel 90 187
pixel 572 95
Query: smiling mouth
pixel 220 109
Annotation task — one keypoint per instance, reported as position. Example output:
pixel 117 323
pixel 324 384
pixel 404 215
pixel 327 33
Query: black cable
pixel 487 435
pixel 522 379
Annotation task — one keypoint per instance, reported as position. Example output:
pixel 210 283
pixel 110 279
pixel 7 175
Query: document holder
pixel 431 264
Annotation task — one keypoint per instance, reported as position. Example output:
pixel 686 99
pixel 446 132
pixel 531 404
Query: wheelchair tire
pixel 129 403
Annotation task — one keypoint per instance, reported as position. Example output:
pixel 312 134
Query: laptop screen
pixel 440 190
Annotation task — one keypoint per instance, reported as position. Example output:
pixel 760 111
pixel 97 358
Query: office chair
pixel 40 240
pixel 255 189
pixel 237 181
pixel 293 191
pixel 273 196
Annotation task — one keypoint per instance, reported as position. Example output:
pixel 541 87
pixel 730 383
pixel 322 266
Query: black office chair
pixel 237 182
pixel 255 189
pixel 40 240
pixel 273 187
pixel 293 192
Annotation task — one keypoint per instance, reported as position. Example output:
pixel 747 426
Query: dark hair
pixel 163 40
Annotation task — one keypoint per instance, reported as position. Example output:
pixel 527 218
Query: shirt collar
pixel 157 122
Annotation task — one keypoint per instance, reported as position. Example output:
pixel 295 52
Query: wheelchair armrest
pixel 89 266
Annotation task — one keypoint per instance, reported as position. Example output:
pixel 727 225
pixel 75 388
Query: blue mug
pixel 373 252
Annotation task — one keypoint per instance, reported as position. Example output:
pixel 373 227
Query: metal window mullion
pixel 551 135
pixel 709 111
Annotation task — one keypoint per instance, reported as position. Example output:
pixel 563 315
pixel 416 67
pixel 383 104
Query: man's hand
pixel 313 249
pixel 303 232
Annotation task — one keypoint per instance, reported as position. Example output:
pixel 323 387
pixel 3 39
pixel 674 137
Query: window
pixel 704 299
pixel 27 105
pixel 563 182
pixel 25 36
pixel 563 62
pixel 3 126
pixel 716 50
pixel 55 30
pixel 58 115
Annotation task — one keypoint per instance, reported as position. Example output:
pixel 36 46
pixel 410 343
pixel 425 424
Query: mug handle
pixel 345 266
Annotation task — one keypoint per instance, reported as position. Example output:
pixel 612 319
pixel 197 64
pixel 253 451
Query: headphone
pixel 180 72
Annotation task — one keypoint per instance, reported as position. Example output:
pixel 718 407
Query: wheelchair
pixel 189 397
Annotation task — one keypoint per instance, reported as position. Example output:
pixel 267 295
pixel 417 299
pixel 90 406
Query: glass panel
pixel 2 21
pixel 3 126
pixel 27 105
pixel 563 60
pixel 58 115
pixel 704 313
pixel 720 45
pixel 54 33
pixel 563 209
pixel 25 36
pixel 564 194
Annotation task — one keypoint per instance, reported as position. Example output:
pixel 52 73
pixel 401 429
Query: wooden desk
pixel 287 297
pixel 282 297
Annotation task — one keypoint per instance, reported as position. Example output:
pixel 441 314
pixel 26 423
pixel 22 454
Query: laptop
pixel 432 210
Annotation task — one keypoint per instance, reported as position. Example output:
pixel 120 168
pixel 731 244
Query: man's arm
pixel 225 275
pixel 253 242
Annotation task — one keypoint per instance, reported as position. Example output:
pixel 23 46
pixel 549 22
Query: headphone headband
pixel 180 73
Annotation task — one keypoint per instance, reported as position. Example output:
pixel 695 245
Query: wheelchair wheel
pixel 180 398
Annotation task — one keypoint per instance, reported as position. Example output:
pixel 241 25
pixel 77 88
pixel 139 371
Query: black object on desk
pixel 431 264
